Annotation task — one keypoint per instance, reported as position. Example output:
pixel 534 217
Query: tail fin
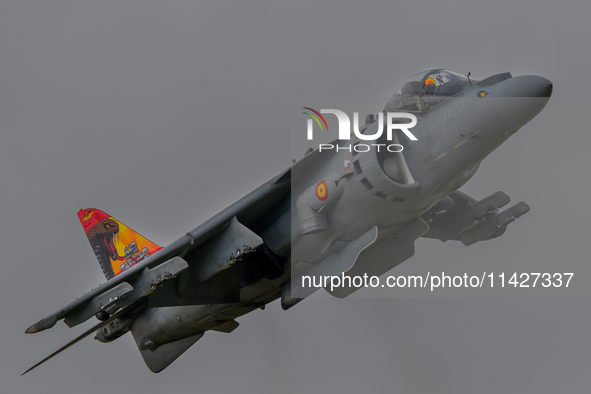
pixel 116 246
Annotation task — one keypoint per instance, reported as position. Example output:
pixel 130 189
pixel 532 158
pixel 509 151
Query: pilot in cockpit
pixel 429 93
pixel 427 89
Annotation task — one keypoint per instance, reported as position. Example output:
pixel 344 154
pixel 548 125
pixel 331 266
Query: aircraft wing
pixel 143 278
pixel 463 218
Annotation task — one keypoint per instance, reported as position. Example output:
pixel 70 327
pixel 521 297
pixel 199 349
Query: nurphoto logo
pixel 345 129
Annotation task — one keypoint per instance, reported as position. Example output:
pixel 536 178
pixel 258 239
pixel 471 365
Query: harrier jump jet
pixel 307 220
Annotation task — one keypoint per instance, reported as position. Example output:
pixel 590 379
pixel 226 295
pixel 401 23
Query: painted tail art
pixel 116 246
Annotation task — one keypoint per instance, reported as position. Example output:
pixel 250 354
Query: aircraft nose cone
pixel 524 86
pixel 537 86
pixel 519 99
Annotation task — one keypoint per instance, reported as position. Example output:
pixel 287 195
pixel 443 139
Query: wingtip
pixel 42 324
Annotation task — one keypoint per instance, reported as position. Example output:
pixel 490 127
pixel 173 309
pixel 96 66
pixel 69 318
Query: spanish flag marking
pixel 322 191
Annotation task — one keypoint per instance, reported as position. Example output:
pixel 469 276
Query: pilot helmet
pixel 429 88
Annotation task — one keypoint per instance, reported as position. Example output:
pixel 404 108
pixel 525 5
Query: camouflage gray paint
pixel 371 210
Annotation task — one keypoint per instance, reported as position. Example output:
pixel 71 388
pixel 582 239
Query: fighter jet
pixel 348 210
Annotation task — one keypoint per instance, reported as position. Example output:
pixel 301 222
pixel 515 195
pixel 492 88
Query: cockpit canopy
pixel 426 89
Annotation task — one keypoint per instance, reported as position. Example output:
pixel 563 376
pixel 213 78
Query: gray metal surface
pixel 364 219
pixel 227 247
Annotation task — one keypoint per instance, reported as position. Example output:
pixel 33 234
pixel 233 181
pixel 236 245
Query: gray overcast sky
pixel 163 113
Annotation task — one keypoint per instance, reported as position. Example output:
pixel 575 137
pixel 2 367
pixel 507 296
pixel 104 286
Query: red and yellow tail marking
pixel 116 246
